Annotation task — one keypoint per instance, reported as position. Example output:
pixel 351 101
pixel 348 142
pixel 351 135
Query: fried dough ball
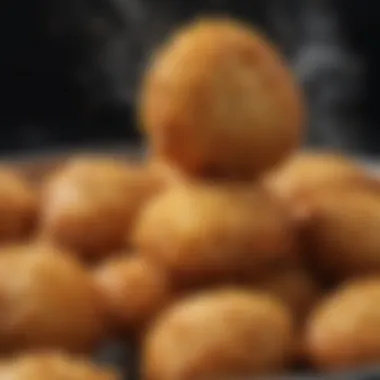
pixel 344 330
pixel 294 286
pixel 18 206
pixel 222 332
pixel 134 291
pixel 201 232
pixel 218 100
pixel 47 300
pixel 92 201
pixel 342 233
pixel 53 366
pixel 307 172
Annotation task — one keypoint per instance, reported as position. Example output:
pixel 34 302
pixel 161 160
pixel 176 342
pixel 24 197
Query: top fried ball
pixel 218 100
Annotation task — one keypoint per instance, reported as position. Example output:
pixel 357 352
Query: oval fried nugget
pixel 225 332
pixel 53 366
pixel 218 100
pixel 48 300
pixel 201 232
pixel 308 172
pixel 344 330
pixel 91 203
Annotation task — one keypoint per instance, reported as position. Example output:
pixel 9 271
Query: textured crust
pixel 203 232
pixel 48 301
pixel 223 332
pixel 219 100
pixel 90 204
pixel 344 330
pixel 53 366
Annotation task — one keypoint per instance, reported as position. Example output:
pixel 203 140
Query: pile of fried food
pixel 226 252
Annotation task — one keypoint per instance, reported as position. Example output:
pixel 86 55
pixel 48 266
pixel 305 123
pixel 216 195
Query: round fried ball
pixel 218 100
pixel 18 206
pixel 342 233
pixel 203 232
pixel 292 285
pixel 92 202
pixel 53 366
pixel 134 291
pixel 47 300
pixel 344 330
pixel 221 332
pixel 308 172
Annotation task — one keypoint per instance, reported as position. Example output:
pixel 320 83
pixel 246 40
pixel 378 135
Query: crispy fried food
pixel 308 172
pixel 134 291
pixel 18 206
pixel 53 366
pixel 48 300
pixel 92 202
pixel 224 332
pixel 203 232
pixel 344 330
pixel 342 233
pixel 294 286
pixel 218 100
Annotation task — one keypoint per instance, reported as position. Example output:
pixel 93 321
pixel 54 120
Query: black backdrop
pixel 69 69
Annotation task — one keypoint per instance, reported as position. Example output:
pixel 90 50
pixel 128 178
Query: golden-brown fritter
pixel 294 286
pixel 134 291
pixel 344 330
pixel 47 300
pixel 218 100
pixel 18 206
pixel 92 202
pixel 341 235
pixel 224 332
pixel 311 171
pixel 53 366
pixel 203 232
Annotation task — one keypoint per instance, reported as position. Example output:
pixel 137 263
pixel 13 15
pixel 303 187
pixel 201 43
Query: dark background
pixel 69 69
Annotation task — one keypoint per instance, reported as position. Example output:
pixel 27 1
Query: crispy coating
pixel 92 202
pixel 344 330
pixel 53 366
pixel 203 232
pixel 223 332
pixel 294 286
pixel 18 206
pixel 134 291
pixel 342 233
pixel 48 301
pixel 218 100
pixel 308 172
